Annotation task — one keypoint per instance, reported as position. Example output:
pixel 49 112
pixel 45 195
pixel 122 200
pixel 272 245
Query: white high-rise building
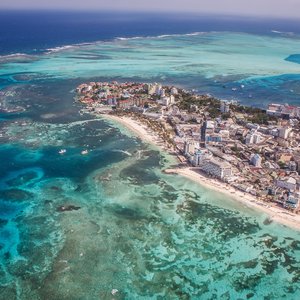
pixel 172 99
pixel 158 89
pixel 174 91
pixel 219 169
pixel 190 147
pixel 224 107
pixel 151 88
pixel 162 93
pixel 253 137
pixel 200 156
pixel 284 132
pixel 166 100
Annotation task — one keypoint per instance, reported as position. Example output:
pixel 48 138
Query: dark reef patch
pixel 22 179
pixel 15 195
pixel 127 212
pixel 227 223
pixel 3 222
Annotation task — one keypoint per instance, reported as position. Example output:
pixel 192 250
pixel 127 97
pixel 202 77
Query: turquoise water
pixel 294 58
pixel 135 229
pixel 212 62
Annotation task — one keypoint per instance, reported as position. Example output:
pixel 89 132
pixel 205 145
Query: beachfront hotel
pixel 216 168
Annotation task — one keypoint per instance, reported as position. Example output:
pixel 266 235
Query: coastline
pixel 140 130
pixel 276 214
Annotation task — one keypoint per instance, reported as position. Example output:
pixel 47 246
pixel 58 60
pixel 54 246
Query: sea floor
pixel 125 225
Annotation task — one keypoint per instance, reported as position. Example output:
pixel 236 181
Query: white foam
pixel 130 38
pixel 61 48
pixel 77 45
pixel 160 36
pixel 15 55
pixel 122 151
pixel 290 33
pixel 67 47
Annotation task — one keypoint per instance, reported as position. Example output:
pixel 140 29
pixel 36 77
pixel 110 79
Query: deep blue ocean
pixel 35 31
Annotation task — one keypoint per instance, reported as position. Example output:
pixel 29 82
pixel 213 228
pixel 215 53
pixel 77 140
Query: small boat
pixel 62 151
pixel 114 291
pixel 84 152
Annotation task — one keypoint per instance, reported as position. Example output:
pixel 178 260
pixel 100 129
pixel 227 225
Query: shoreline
pixel 140 130
pixel 276 214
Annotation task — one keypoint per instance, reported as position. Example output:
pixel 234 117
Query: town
pixel 255 151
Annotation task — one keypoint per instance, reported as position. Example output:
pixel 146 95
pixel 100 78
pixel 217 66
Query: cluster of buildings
pixel 128 95
pixel 283 110
pixel 164 99
pixel 261 159
pixel 205 160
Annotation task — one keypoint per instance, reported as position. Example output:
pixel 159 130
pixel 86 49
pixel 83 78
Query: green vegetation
pixel 212 106
pixel 225 116
pixel 186 100
pixel 214 112
pixel 282 165
pixel 261 118
pixel 245 109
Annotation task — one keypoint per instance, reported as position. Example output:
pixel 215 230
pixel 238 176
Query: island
pixel 250 153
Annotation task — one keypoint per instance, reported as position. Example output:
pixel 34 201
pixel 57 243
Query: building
pixel 253 137
pixel 219 169
pixel 274 132
pixel 284 111
pixel 224 133
pixel 125 104
pixel 208 127
pixel 213 138
pixel 154 89
pixel 111 101
pixel 190 147
pixel 284 132
pixel 287 183
pixel 255 160
pixel 292 201
pixel 224 107
pixel 252 126
pixel 297 161
pixel 174 91
pixel 151 89
pixel 166 100
pixel 292 166
pixel 200 156
pixel 158 89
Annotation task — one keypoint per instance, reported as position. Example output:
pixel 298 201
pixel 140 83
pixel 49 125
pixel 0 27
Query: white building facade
pixel 217 168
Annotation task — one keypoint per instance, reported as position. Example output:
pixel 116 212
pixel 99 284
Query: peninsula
pixel 249 153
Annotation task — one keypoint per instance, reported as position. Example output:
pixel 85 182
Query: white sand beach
pixel 139 129
pixel 276 214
